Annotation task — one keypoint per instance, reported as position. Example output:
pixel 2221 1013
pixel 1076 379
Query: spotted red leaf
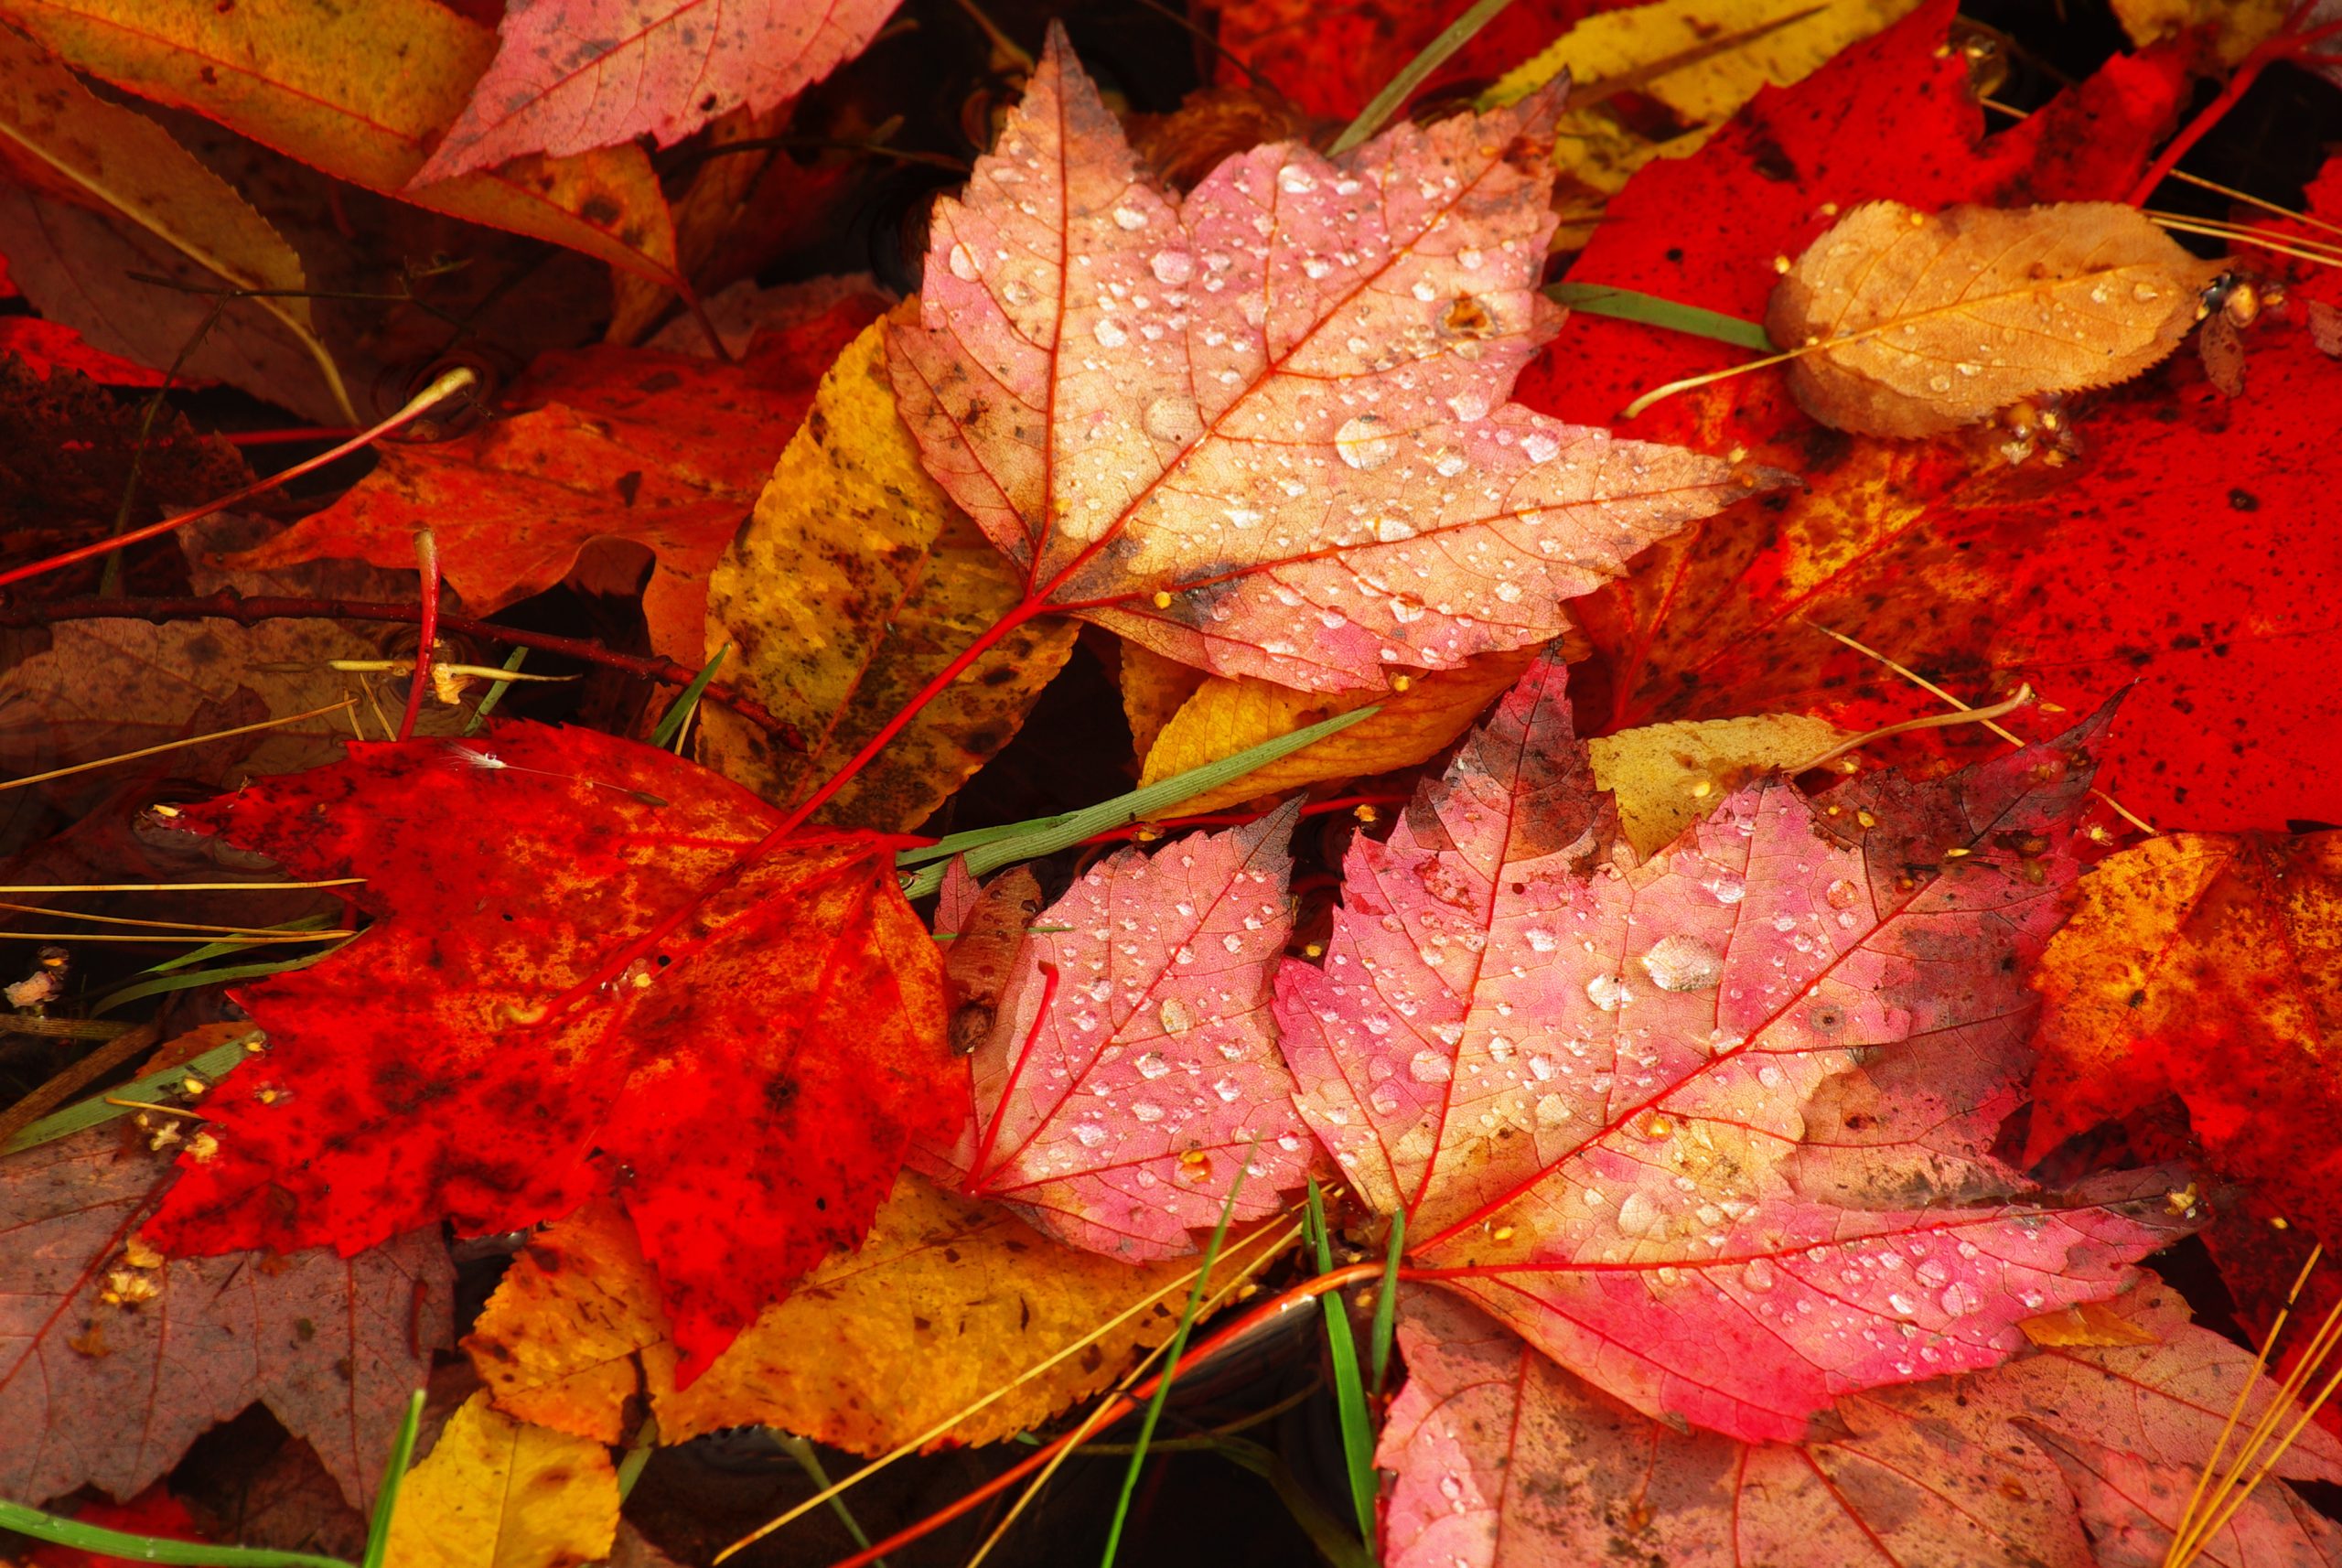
pixel 570 77
pixel 2062 1459
pixel 1605 1093
pixel 1263 430
pixel 576 983
pixel 2011 563
pixel 113 1360
pixel 1133 1063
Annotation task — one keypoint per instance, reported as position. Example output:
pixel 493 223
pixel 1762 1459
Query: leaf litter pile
pixel 1262 782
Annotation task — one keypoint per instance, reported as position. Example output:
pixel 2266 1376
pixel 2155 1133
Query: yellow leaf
pixel 2092 1324
pixel 1226 716
pixel 1701 58
pixel 2238 25
pixel 108 157
pixel 1667 776
pixel 855 581
pixel 497 1494
pixel 1154 688
pixel 947 1300
pixel 1948 317
pixel 362 91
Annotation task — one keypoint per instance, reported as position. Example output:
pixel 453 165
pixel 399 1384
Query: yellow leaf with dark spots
pixel 495 1493
pixel 1667 776
pixel 855 584
pixel 948 1300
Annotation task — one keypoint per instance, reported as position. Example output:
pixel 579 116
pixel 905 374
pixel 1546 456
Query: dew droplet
pixel 1608 992
pixel 1109 333
pixel 1758 1274
pixel 1129 217
pixel 1429 1066
pixel 1683 963
pixel 1172 267
pixel 1362 444
pixel 963 265
pixel 1841 894
pixel 1176 1019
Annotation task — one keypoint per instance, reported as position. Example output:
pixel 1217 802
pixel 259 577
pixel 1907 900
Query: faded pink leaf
pixel 1264 431
pixel 1586 1081
pixel 1132 1065
pixel 1504 1460
pixel 113 1360
pixel 569 76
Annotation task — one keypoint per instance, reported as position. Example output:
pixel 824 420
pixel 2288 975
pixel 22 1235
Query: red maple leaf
pixel 1712 1130
pixel 1504 1460
pixel 2081 577
pixel 583 977
pixel 1263 430
pixel 569 77
pixel 1132 1066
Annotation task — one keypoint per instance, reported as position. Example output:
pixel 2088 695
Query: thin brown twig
pixel 227 605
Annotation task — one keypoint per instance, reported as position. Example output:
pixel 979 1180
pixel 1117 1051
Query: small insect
pixel 2238 298
pixel 981 958
pixel 462 755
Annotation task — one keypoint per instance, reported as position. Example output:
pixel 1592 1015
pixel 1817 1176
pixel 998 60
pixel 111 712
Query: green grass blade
pixel 1057 834
pixel 386 1502
pixel 1171 1354
pixel 637 1455
pixel 1434 55
pixel 210 951
pixel 149 1548
pixel 1386 1302
pixel 1350 1393
pixel 1628 304
pixel 189 979
pixel 678 716
pixel 495 693
pixel 210 1066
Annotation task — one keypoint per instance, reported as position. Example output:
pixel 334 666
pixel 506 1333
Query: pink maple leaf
pixel 1607 1096
pixel 570 77
pixel 2076 1458
pixel 1133 1067
pixel 1264 431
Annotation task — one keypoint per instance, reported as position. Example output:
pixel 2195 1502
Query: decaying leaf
pixel 855 581
pixel 989 937
pixel 1263 430
pixel 59 139
pixel 1595 1086
pixel 572 78
pixel 1133 1067
pixel 947 1300
pixel 1932 321
pixel 106 687
pixel 1667 776
pixel 1228 714
pixel 2040 1461
pixel 497 1493
pixel 657 449
pixel 360 92
pixel 573 983
pixel 113 1358
pixel 2210 967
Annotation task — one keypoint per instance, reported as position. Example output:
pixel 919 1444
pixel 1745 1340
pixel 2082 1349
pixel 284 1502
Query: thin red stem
pixel 1000 1107
pixel 1122 1404
pixel 2287 43
pixel 437 392
pixel 228 605
pixel 427 558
